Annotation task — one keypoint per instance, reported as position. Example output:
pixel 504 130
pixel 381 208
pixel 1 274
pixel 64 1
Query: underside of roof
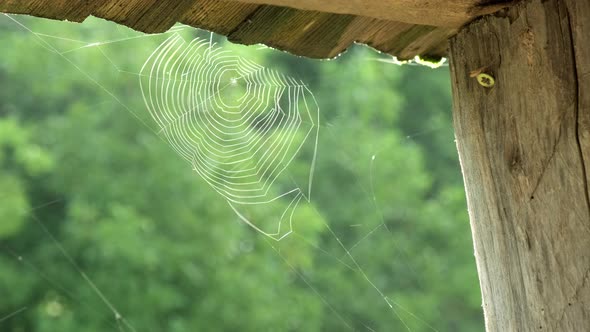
pixel 312 28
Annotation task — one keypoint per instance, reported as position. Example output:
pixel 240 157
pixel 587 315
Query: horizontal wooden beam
pixel 312 28
pixel 450 14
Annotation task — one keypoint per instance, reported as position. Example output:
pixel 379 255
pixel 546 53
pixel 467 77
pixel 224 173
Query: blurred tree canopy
pixel 83 181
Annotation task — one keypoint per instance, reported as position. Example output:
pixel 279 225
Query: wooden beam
pixel 308 33
pixel 524 146
pixel 450 14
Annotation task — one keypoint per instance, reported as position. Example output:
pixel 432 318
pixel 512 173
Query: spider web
pixel 234 121
pixel 239 126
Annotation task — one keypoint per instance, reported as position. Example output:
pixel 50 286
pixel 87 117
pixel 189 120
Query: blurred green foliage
pixel 84 180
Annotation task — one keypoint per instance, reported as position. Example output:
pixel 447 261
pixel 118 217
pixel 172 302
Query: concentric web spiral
pixel 239 124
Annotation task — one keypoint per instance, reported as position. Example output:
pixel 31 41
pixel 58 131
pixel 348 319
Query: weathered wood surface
pixel 450 13
pixel 317 29
pixel 524 146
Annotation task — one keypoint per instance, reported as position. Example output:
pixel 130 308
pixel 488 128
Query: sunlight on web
pixel 237 123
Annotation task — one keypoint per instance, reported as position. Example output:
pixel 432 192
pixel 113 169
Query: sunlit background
pixel 104 227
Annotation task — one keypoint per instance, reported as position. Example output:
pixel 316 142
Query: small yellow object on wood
pixel 485 80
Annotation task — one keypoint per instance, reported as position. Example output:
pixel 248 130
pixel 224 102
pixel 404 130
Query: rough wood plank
pixel 450 13
pixel 323 35
pixel 301 32
pixel 74 10
pixel 144 15
pixel 453 13
pixel 524 148
pixel 280 27
pixel 221 17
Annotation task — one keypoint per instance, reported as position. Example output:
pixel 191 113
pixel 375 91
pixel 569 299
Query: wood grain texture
pixel 450 13
pixel 524 147
pixel 322 33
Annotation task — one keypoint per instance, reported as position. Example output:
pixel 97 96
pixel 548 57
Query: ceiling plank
pixel 449 14
pixel 325 31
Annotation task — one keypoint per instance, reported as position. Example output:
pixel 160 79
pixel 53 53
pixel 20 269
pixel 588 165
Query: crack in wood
pixel 577 110
pixel 546 165
pixel 574 298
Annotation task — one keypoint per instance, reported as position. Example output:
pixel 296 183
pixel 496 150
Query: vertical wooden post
pixel 524 146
